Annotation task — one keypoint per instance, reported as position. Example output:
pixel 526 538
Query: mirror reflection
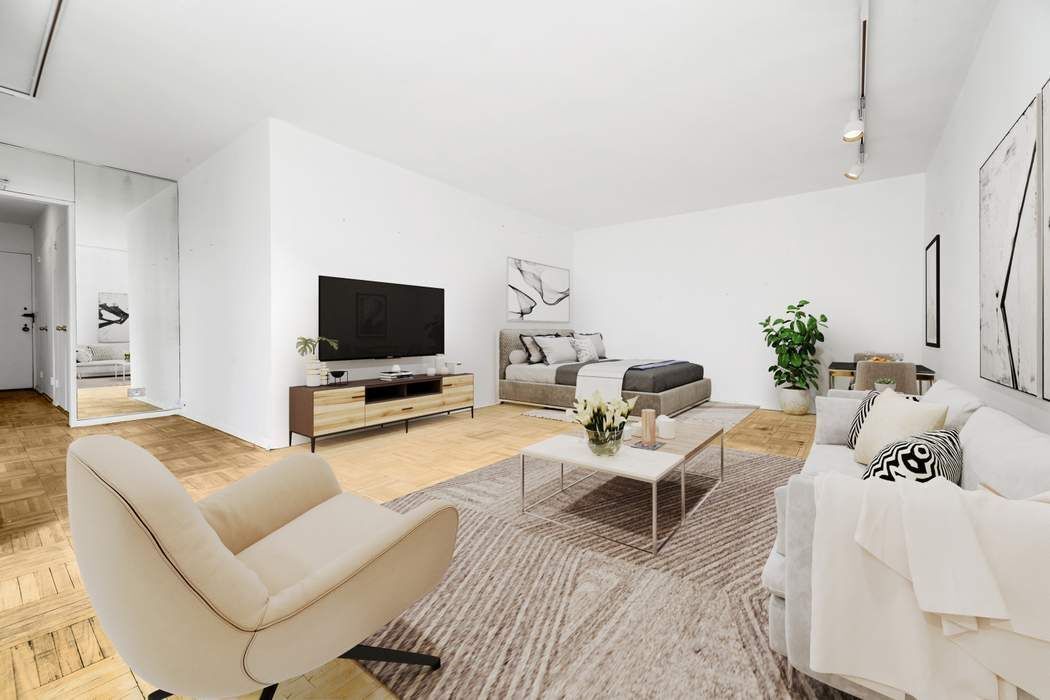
pixel 127 331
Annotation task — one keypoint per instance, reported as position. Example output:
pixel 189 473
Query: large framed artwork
pixel 537 292
pixel 113 317
pixel 1010 258
pixel 933 293
pixel 1045 218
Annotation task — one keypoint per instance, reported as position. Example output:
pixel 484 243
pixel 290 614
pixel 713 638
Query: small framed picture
pixel 933 293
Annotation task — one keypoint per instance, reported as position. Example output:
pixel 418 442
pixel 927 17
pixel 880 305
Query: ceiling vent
pixel 26 29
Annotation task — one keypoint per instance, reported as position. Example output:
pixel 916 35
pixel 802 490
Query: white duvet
pixel 930 589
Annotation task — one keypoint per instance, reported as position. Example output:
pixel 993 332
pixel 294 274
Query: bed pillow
pixel 920 458
pixel 533 348
pixel 556 349
pixel 518 357
pixel 596 338
pixel 893 418
pixel 585 350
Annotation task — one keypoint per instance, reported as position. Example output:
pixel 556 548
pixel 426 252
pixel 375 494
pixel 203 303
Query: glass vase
pixel 606 443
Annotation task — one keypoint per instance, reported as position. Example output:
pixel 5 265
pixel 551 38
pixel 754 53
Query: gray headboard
pixel 510 340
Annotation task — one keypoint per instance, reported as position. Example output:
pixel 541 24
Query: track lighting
pixel 854 129
pixel 857 169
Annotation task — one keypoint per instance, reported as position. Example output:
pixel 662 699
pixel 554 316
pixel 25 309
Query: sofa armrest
pixel 248 510
pixel 800 521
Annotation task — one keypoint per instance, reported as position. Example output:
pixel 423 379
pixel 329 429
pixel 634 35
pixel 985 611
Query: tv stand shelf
pixel 336 409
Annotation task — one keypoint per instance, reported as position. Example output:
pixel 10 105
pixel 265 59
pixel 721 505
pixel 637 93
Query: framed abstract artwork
pixel 1009 235
pixel 933 293
pixel 113 317
pixel 537 292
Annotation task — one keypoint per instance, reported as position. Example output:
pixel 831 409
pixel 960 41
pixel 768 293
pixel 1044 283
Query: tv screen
pixel 378 320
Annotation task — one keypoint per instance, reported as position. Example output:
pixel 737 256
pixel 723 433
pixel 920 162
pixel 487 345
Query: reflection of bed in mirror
pixel 127 346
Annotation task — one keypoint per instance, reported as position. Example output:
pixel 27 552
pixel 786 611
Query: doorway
pixel 34 296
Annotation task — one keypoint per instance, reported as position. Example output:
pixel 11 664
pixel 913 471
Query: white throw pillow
pixel 596 338
pixel 84 353
pixel 894 418
pixel 585 350
pixel 961 403
pixel 1009 456
pixel 518 357
pixel 556 349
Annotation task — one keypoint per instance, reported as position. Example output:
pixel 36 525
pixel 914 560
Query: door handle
pixel 25 327
pixel 42 328
pixel 60 328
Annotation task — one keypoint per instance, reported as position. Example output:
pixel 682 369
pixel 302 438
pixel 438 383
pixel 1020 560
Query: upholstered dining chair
pixel 262 581
pixel 903 373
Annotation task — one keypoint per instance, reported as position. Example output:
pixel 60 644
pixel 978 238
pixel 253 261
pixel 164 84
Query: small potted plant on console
pixel 307 349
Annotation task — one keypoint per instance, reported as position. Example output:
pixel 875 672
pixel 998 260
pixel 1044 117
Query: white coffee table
pixel 646 466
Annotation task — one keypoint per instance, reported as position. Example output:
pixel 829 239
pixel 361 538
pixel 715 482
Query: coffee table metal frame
pixel 657 544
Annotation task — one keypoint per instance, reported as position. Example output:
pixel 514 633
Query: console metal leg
pixel 655 546
pixel 366 653
pixel 313 444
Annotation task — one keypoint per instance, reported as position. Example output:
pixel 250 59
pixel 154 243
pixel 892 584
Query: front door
pixel 16 330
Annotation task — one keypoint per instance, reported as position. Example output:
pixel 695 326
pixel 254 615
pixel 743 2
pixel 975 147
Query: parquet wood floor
pixel 51 644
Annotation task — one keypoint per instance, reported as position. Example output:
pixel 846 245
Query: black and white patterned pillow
pixel 862 413
pixel 920 458
pixel 858 418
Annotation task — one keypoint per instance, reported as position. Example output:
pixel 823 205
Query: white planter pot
pixel 885 387
pixel 794 402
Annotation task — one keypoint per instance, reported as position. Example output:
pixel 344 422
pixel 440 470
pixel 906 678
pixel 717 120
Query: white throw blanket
pixel 606 378
pixel 930 589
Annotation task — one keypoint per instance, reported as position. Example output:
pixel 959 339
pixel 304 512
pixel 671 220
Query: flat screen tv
pixel 378 320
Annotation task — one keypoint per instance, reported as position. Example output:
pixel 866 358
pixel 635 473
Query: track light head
pixel 854 129
pixel 857 169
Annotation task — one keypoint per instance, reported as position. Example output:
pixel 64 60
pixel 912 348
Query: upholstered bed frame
pixel 667 402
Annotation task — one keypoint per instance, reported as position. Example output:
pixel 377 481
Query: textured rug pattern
pixel 530 609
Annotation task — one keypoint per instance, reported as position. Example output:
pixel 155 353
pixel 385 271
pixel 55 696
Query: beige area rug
pixel 728 414
pixel 530 609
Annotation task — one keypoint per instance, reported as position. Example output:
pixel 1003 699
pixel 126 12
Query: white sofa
pixel 998 450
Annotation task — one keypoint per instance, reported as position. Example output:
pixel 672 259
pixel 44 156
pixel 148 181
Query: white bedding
pixel 537 374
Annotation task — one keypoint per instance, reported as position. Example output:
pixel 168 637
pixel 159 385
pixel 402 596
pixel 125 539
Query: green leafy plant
pixel 794 338
pixel 308 346
pixel 885 380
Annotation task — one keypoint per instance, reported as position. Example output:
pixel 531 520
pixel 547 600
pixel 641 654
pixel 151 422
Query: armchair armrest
pixel 834 416
pixel 383 578
pixel 248 510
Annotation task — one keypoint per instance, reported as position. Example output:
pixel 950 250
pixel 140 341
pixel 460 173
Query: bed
pixel 668 390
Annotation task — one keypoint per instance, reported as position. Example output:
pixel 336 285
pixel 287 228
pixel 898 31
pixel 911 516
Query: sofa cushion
pixel 961 403
pixel 1010 457
pixel 919 458
pixel 106 352
pixel 831 459
pixel 834 417
pixel 892 418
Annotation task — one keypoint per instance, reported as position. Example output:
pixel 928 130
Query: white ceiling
pixel 14 210
pixel 585 112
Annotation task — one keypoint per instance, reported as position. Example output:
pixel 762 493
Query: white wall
pixel 694 287
pixel 16 238
pixel 44 230
pixel 224 275
pixel 1011 66
pixel 342 213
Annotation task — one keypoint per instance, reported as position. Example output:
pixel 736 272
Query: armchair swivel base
pixel 362 652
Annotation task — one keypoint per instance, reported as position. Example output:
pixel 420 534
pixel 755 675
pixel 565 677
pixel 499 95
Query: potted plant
pixel 794 338
pixel 307 349
pixel 603 421
pixel 884 383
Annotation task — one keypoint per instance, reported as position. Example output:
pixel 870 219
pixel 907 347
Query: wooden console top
pixel 376 381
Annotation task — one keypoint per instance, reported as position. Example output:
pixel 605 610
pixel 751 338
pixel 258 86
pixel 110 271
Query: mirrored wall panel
pixel 127 281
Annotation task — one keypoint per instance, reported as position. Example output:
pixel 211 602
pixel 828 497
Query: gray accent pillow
pixel 518 357
pixel 533 348
pixel 556 349
pixel 596 338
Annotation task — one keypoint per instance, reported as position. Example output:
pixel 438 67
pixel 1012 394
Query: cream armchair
pixel 267 579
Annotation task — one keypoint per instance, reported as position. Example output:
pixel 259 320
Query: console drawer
pixel 336 410
pixel 400 409
pixel 458 380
